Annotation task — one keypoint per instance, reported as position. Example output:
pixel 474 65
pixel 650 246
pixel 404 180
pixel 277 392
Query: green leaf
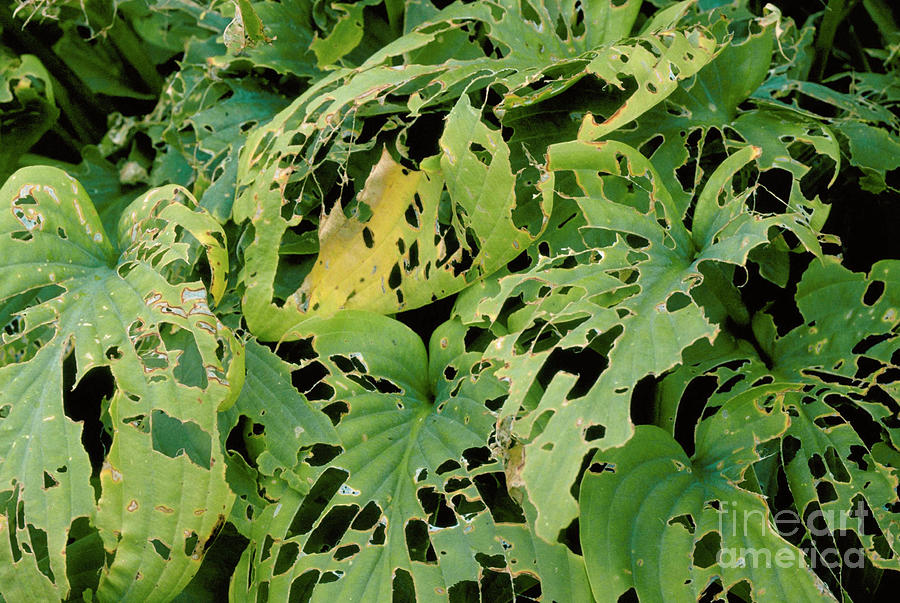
pixel 673 57
pixel 400 506
pixel 288 422
pixel 132 310
pixel 100 66
pixel 851 106
pixel 202 121
pixel 694 523
pixel 27 107
pixel 345 36
pixel 308 151
pixel 875 151
pixel 709 101
pixel 100 180
pixel 288 29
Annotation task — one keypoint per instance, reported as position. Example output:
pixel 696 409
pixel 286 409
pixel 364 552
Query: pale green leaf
pixel 288 422
pixel 135 311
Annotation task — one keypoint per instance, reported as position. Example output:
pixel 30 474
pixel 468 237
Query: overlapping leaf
pixel 307 151
pixel 27 107
pixel 844 357
pixel 284 419
pixel 708 102
pixel 428 233
pixel 635 298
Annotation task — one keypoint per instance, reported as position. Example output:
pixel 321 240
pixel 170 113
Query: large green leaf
pixel 874 150
pixel 669 525
pixel 410 504
pixel 161 488
pixel 202 120
pixel 286 420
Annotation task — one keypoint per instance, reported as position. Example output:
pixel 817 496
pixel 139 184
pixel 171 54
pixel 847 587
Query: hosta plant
pixel 512 301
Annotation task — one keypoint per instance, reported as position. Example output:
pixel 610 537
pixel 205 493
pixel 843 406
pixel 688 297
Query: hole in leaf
pixel 190 543
pixel 161 549
pixel 320 391
pixel 412 218
pixel 336 411
pixel 453 484
pixel 286 557
pixel 41 552
pixel 345 551
pixel 816 466
pixel 173 438
pixel 418 544
pixel 403 588
pixel 83 403
pixel 856 456
pixel 826 492
pixel 677 301
pixel 331 529
pixel 519 263
pixel 49 481
pixel 594 432
pixel 601 467
pixel 367 517
pixel 322 454
pixel 648 148
pixel 494 493
pixel 308 375
pixel 447 466
pixel 740 592
pixel 378 535
pixel 790 446
pixel 835 466
pixel 435 505
pixel 266 550
pixel 873 293
pixel 686 520
pixel 316 501
pixel 829 421
pixel 190 369
pixel 706 550
pixel 302 587
pixel 474 457
pixel 629 596
pixel 84 545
